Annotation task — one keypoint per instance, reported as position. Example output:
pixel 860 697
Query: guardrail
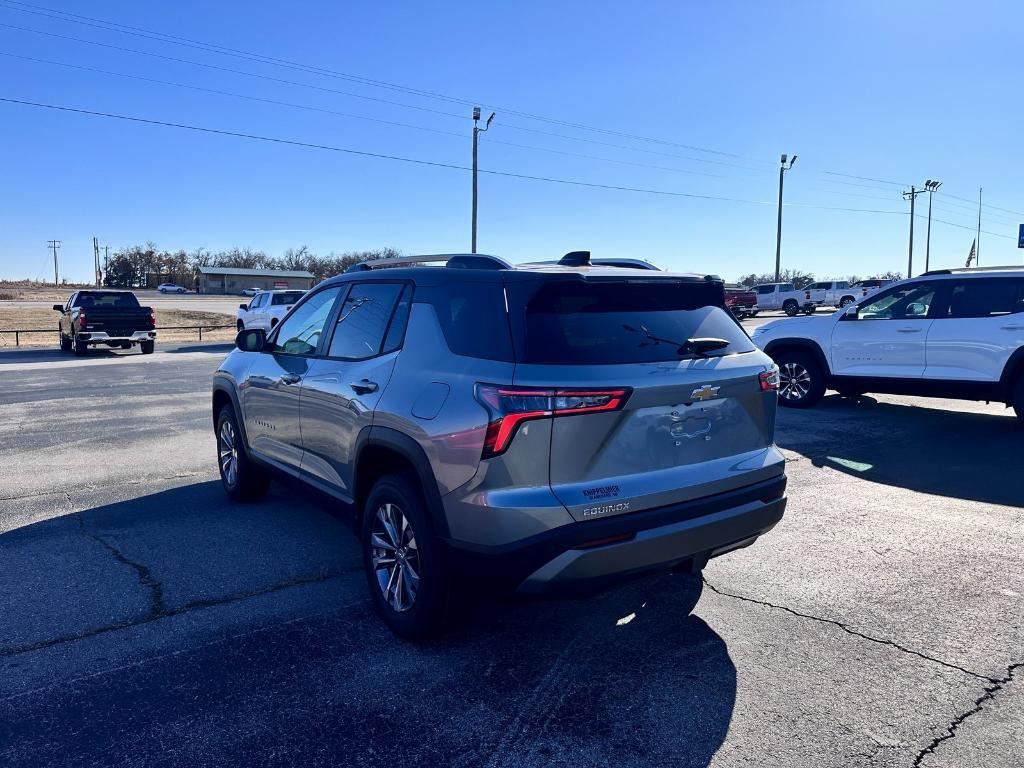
pixel 18 331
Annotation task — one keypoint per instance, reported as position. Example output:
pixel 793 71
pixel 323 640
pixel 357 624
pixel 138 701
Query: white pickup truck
pixel 784 296
pixel 266 309
pixel 827 293
pixel 843 294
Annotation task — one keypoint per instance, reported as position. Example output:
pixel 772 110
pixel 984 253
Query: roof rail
pixel 575 259
pixel 459 260
pixel 931 272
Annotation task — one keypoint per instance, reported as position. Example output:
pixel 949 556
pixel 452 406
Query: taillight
pixel 81 319
pixel 152 318
pixel 769 379
pixel 509 406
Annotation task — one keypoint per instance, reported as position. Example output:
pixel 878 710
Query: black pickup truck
pixel 113 318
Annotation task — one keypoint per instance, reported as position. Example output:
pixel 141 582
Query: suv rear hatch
pixel 664 421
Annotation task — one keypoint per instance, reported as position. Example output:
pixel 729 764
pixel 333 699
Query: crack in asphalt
pixel 146 579
pixel 849 630
pixel 212 602
pixel 979 705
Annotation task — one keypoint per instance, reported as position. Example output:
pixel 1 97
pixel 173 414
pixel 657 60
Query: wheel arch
pixel 226 395
pixel 777 346
pixel 1012 372
pixel 382 451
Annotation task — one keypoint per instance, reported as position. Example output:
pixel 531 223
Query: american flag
pixel 970 256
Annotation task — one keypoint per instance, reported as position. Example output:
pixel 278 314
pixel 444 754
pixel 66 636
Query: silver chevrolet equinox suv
pixel 535 429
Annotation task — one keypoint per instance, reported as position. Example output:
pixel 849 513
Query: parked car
pixel 524 429
pixel 950 333
pixel 171 288
pixel 826 293
pixel 741 301
pixel 251 291
pixel 843 295
pixel 784 296
pixel 112 318
pixel 266 309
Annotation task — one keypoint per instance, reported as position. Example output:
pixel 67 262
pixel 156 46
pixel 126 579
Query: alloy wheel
pixel 795 381
pixel 395 556
pixel 228 452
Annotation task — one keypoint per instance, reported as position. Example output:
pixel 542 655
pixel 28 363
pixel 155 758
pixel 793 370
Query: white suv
pixel 950 333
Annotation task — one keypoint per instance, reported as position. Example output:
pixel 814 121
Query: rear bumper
pixel 571 559
pixel 102 336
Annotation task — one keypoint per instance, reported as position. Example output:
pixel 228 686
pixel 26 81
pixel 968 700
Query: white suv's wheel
pixel 801 380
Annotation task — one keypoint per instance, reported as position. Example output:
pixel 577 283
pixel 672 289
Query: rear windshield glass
pixel 101 299
pixel 618 322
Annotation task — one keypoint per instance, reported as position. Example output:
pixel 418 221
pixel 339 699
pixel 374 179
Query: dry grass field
pixel 46 319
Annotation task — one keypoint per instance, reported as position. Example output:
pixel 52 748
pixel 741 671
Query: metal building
pixel 232 280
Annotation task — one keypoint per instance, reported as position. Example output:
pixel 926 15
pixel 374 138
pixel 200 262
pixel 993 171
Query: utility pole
pixel 55 244
pixel 977 253
pixel 931 186
pixel 96 259
pixel 911 196
pixel 778 231
pixel 477 130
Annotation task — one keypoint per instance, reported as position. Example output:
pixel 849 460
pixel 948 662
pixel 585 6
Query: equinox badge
pixel 706 392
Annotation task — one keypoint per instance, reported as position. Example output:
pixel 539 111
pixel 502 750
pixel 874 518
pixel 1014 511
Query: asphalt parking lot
pixel 145 620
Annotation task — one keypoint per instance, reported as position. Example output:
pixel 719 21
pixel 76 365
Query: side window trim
pixel 333 320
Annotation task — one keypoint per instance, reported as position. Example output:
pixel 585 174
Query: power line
pixel 983 205
pixel 417 161
pixel 248 55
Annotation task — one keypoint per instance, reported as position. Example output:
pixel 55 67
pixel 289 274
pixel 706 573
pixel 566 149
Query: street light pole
pixel 778 231
pixel 477 130
pixel 931 185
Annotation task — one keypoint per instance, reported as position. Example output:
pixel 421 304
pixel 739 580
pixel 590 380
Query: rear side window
pixel 363 320
pixel 765 289
pixel 581 323
pixel 284 299
pixel 986 298
pixel 472 317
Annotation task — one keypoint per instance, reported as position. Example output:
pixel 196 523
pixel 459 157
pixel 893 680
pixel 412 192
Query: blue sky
pixel 896 92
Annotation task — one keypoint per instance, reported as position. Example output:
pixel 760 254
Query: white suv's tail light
pixel 509 406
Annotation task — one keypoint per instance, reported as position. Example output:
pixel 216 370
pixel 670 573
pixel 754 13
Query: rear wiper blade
pixel 698 347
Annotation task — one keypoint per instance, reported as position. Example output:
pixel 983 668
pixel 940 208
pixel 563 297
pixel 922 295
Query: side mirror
pixel 244 307
pixel 252 340
pixel 58 307
pixel 916 310
pixel 850 313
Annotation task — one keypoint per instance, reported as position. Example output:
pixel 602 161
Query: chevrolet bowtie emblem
pixel 706 392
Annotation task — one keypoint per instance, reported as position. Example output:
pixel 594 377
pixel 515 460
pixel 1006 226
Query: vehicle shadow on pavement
pixel 47 355
pixel 198 631
pixel 966 455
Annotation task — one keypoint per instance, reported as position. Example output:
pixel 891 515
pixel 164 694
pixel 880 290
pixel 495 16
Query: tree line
pixel 801 279
pixel 139 266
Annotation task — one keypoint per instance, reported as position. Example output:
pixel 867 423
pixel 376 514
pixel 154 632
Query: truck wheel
pixel 80 347
pixel 65 343
pixel 1018 398
pixel 242 479
pixel 147 347
pixel 845 302
pixel 405 570
pixel 801 380
pixel 791 308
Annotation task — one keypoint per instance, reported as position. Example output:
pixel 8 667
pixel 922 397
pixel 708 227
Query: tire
pixel 243 480
pixel 801 380
pixel 181 290
pixel 395 520
pixel 791 308
pixel 1018 398
pixel 754 314
pixel 65 343
pixel 147 347
pixel 80 348
pixel 845 302
pixel 162 291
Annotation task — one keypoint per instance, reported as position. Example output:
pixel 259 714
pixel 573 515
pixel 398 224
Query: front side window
pixel 991 297
pixel 763 290
pixel 300 333
pixel 908 302
pixel 363 320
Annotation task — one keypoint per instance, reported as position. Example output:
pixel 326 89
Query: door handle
pixel 290 378
pixel 909 330
pixel 1011 327
pixel 364 387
